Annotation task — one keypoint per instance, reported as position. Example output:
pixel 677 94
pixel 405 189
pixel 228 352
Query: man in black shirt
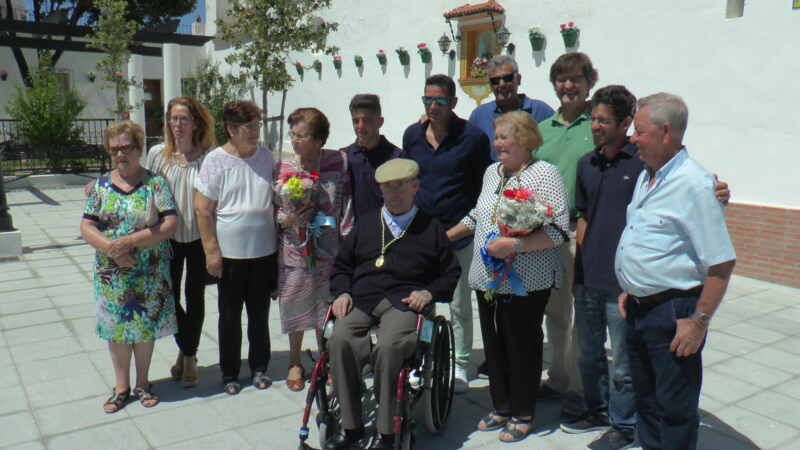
pixel 370 150
pixel 394 263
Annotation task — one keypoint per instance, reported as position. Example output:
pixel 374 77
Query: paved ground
pixel 55 373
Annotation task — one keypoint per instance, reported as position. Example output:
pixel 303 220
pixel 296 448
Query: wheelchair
pixel 424 389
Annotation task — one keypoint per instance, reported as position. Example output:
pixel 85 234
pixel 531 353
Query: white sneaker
pixel 461 383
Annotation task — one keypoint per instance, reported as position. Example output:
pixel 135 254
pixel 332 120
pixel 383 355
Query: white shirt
pixel 399 223
pixel 181 182
pixel 242 188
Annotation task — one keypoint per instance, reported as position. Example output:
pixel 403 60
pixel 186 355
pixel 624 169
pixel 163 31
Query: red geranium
pixel 519 194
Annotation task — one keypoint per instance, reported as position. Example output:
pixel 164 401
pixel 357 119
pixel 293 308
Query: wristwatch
pixel 701 317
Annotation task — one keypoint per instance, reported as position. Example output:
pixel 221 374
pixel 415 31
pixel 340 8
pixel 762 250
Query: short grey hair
pixel 500 61
pixel 666 108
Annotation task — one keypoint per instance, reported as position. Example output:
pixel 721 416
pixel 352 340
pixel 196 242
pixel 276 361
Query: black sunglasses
pixel 441 101
pixel 507 78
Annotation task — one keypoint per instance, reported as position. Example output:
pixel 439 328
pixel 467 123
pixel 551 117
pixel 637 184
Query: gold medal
pixel 379 262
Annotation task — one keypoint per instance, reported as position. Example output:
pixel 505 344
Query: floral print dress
pixel 133 304
pixel 306 262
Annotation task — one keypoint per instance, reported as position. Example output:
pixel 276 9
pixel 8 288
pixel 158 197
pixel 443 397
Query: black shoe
pixel 346 441
pixel 613 439
pixel 586 423
pixel 483 371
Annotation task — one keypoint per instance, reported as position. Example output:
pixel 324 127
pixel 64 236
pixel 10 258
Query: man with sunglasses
pixel 504 79
pixel 452 155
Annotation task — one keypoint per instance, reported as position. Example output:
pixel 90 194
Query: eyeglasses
pixel 494 81
pixel 298 136
pixel 180 120
pixel 251 126
pixel 441 101
pixel 124 149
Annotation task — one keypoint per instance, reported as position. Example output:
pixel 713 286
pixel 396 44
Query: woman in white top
pixel 189 135
pixel 511 324
pixel 237 226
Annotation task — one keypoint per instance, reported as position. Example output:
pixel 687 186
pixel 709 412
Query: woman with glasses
pixel 128 218
pixel 235 217
pixel 312 225
pixel 189 135
pixel 511 312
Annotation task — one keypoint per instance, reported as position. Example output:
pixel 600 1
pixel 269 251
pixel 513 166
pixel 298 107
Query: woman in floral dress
pixel 129 217
pixel 312 224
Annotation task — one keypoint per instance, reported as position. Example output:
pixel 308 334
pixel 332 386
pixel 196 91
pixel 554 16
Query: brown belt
pixel 661 297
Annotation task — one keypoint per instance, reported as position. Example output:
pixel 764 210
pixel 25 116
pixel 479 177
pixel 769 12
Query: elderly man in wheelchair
pixel 395 263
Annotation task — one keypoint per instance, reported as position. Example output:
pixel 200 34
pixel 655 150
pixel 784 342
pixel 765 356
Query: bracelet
pixel 518 245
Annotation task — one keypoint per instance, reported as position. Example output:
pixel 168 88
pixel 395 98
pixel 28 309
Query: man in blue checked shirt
pixel 673 262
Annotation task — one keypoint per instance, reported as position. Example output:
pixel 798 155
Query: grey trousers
pixel 350 349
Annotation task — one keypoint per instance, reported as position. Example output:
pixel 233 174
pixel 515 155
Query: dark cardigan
pixel 421 259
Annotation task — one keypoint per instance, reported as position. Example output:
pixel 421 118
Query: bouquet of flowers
pixel 295 191
pixel 519 213
pixel 337 62
pixel 402 55
pixel 298 66
pixel 381 55
pixel 478 67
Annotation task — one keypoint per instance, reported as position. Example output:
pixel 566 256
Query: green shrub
pixel 45 111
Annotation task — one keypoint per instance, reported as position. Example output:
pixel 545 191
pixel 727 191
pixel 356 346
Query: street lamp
pixel 444 43
pixel 503 36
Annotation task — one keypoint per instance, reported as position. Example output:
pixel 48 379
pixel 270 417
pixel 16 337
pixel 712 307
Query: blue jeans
pixel 667 387
pixel 604 387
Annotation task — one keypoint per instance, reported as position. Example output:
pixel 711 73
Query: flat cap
pixel 396 169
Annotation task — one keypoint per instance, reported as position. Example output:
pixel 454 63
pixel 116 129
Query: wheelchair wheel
pixel 328 414
pixel 439 369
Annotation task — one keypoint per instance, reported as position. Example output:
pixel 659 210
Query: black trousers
pixel 190 318
pixel 513 341
pixel 245 283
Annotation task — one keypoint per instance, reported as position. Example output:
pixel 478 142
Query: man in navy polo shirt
pixel 452 155
pixel 605 181
pixel 370 150
pixel 504 79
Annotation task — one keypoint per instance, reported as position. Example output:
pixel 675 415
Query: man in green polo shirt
pixel 567 136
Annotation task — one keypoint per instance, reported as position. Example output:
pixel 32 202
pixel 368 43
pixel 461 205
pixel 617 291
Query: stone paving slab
pixel 55 373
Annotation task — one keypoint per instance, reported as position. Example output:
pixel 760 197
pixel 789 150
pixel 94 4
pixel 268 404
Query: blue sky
pixel 199 9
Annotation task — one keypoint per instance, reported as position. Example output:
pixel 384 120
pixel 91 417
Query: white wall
pixel 738 76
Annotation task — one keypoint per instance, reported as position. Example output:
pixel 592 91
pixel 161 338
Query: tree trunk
pixel 283 112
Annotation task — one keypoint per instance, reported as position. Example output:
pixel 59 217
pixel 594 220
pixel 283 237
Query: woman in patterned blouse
pixel 511 325
pixel 128 218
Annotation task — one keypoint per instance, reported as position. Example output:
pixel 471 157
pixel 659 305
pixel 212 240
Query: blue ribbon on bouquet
pixel 320 223
pixel 501 269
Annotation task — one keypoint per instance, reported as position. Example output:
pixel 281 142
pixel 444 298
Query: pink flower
pixel 563 26
pixel 337 57
pixel 3 72
pixel 380 51
pixel 571 24
pixel 118 73
pixel 421 45
pixel 298 64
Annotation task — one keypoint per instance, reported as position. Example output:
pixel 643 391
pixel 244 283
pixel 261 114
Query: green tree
pixel 213 89
pixel 263 32
pixel 73 13
pixel 45 111
pixel 112 35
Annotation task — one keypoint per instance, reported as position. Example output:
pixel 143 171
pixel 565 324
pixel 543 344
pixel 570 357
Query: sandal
pixel 296 384
pixel 261 380
pixel 232 387
pixel 512 429
pixel 146 396
pixel 492 421
pixel 117 401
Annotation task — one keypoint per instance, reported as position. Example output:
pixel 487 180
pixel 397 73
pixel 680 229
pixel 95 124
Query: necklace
pixel 381 259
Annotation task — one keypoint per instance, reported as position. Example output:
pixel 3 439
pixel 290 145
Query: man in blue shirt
pixel 452 156
pixel 370 150
pixel 673 262
pixel 504 79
